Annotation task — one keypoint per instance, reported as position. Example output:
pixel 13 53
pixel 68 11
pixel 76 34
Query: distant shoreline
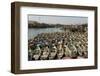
pixel 36 24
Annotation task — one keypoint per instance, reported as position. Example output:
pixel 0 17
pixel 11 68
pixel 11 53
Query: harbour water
pixel 32 32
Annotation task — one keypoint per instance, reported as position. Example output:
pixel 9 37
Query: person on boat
pixel 67 51
pixel 37 53
pixel 84 51
pixel 53 52
pixel 73 51
pixel 79 50
pixel 60 51
pixel 45 53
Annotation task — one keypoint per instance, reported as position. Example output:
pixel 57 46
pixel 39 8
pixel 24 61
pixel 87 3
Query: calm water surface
pixel 32 32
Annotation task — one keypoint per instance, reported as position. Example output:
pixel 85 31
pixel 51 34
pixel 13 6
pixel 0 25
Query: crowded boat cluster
pixel 58 45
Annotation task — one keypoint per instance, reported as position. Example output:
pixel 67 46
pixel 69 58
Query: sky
pixel 58 19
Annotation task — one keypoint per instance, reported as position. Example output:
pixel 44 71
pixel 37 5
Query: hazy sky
pixel 58 19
